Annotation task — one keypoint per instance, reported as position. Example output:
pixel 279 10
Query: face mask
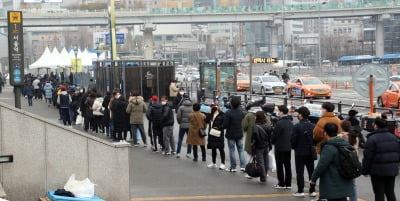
pixel 163 103
pixel 181 93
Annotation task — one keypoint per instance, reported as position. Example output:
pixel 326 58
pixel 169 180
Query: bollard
pixel 340 107
pixel 245 98
pixel 285 101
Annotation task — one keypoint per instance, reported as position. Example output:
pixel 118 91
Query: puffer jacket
pixel 64 99
pixel 233 124
pixel 332 185
pixel 182 115
pixel 136 108
pixel 48 90
pixel 318 133
pixel 381 154
pixel 97 106
pixel 168 115
pixel 282 134
pixel 302 139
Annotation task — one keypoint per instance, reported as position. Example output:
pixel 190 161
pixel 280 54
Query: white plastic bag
pixel 271 162
pixel 79 119
pixel 81 189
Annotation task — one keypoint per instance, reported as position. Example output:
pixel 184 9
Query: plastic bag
pixel 81 189
pixel 79 120
pixel 271 162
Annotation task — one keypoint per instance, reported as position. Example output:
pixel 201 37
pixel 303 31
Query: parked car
pixel 268 84
pixel 243 82
pixel 180 76
pixel 392 95
pixel 395 78
pixel 308 87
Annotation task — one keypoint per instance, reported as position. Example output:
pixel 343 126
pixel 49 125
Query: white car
pixel 180 76
pixel 268 84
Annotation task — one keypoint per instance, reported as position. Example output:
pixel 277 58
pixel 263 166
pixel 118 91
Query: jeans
pixel 283 161
pixel 71 115
pixel 301 162
pixel 203 152
pixel 182 132
pixel 232 155
pixel 30 100
pixel 65 116
pixel 383 186
pixel 214 155
pixel 262 159
pixel 168 138
pixel 112 129
pixel 353 196
pixel 134 128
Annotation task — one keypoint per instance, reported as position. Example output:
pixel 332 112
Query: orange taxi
pixel 308 87
pixel 391 96
pixel 243 82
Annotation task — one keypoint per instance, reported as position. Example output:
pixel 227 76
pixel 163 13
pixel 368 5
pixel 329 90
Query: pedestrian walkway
pixel 161 177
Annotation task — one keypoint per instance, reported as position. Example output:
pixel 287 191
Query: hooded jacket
pixel 182 115
pixel 48 90
pixel 282 134
pixel 331 185
pixel 64 99
pixel 167 115
pixel 136 108
pixel 233 124
pixel 318 133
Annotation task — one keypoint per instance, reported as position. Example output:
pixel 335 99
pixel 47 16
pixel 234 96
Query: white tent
pixel 87 58
pixel 44 61
pixel 64 56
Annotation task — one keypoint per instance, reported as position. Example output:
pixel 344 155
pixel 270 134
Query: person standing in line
pixel 281 139
pixel 136 108
pixel 328 116
pixel 30 91
pixel 152 100
pixel 173 89
pixel 48 92
pixel 197 122
pixel 83 108
pixel 168 127
pixel 118 109
pixel 89 112
pixel 98 111
pixel 182 117
pixel 303 145
pixel 381 160
pixel 180 97
pixel 106 117
pixel 332 186
pixel 248 123
pixel 216 139
pixel 155 116
pixel 36 87
pixel 64 99
pixel 234 134
pixel 261 143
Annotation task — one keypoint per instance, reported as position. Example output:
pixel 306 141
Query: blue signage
pixel 17 79
pixel 120 39
pixel 17 72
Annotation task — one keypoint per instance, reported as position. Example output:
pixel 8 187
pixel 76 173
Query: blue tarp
pixel 62 198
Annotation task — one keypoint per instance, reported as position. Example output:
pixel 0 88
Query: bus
pixel 390 59
pixel 357 60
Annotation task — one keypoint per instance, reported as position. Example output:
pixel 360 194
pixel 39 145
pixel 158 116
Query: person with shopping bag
pixel 261 143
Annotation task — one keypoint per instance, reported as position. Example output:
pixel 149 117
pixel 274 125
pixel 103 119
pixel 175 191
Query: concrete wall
pixel 46 154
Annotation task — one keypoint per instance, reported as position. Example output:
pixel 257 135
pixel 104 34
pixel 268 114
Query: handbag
pixel 202 132
pixel 253 169
pixel 214 132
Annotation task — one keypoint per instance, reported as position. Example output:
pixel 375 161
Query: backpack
pixel 350 166
pixel 156 114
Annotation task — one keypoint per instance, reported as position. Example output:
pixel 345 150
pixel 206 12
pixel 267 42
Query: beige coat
pixel 136 108
pixel 173 90
pixel 196 120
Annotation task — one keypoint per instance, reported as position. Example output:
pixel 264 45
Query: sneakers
pixel 168 153
pixel 242 170
pixel 277 186
pixel 231 169
pixel 145 145
pixel 222 167
pixel 173 153
pixel 248 176
pixel 288 187
pixel 188 156
pixel 212 165
pixel 313 194
pixel 298 194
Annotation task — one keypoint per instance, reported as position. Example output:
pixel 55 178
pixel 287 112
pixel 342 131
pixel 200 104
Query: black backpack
pixel 350 166
pixel 156 114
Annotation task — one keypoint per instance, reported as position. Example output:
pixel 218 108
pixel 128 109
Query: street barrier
pixel 46 153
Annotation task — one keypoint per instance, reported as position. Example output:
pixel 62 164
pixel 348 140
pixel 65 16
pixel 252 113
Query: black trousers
pixel 301 162
pixel 158 134
pixel 214 155
pixel 262 159
pixel 203 152
pixel 283 168
pixel 383 186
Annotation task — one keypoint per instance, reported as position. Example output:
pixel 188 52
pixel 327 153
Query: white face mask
pixel 181 93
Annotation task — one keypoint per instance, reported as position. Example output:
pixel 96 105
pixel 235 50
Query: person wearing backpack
pixel 332 185
pixel 304 150
pixel 381 160
pixel 261 143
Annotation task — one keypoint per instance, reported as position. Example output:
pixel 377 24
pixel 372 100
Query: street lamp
pixel 76 64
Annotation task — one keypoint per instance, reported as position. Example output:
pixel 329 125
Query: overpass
pixel 204 15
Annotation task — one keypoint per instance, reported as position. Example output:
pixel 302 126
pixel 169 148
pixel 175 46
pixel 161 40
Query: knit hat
pixel 353 113
pixel 154 98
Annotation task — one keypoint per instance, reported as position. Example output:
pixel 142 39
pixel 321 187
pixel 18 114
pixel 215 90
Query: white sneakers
pixel 298 194
pixel 313 194
pixel 212 165
pixel 222 167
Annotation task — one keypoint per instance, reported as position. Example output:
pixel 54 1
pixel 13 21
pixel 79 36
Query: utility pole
pixel 113 42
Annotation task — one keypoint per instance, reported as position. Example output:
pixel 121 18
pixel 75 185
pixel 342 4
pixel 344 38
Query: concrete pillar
pixel 275 41
pixel 379 37
pixel 148 39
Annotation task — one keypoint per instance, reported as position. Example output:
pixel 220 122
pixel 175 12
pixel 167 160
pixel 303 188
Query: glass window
pixel 227 78
pixel 271 79
pixel 308 81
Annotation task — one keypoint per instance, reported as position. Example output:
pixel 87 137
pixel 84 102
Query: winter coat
pixel 381 154
pixel 214 142
pixel 173 90
pixel 197 121
pixel 261 137
pixel 167 115
pixel 48 90
pixel 118 109
pixel 83 107
pixel 155 113
pixel 36 83
pixel 331 185
pixel 247 123
pixel 282 134
pixel 64 99
pixel 98 106
pixel 29 90
pixel 233 124
pixel 136 108
pixel 318 133
pixel 182 116
pixel 302 138
pixel 106 117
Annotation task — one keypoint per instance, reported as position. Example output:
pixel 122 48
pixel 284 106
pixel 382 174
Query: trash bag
pixel 271 162
pixel 81 189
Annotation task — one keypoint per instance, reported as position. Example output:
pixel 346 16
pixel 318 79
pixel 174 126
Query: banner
pixel 76 67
